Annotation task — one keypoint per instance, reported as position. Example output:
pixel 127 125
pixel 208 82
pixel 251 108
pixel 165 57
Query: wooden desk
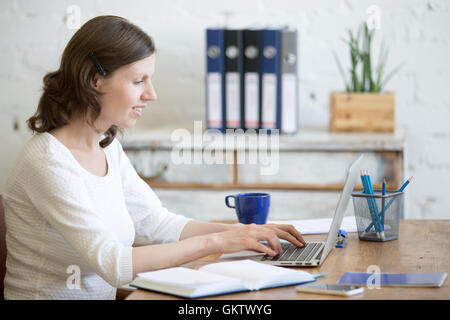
pixel 423 246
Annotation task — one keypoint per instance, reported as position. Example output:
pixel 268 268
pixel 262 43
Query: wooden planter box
pixel 362 112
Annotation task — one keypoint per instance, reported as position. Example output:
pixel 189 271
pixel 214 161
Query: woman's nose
pixel 149 94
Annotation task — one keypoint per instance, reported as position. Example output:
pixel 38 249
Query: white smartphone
pixel 335 289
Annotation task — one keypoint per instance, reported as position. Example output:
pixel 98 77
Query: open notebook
pixel 219 278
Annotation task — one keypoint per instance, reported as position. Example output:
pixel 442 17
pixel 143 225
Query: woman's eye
pixel 139 82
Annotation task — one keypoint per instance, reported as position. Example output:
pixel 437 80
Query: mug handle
pixel 228 203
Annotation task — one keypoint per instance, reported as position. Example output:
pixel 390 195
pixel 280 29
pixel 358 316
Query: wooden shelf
pixel 261 186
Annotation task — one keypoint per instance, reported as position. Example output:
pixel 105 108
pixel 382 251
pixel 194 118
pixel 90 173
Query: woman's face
pixel 126 93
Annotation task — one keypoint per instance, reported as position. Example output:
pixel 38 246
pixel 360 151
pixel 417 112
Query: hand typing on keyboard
pixel 247 237
pixel 287 232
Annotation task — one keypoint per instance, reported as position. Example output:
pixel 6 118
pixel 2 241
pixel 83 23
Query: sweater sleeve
pixel 152 221
pixel 58 193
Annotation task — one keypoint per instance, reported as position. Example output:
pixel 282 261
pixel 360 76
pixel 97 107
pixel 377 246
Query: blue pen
pixel 369 203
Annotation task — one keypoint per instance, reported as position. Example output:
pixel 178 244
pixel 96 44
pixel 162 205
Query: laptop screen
pixel 352 176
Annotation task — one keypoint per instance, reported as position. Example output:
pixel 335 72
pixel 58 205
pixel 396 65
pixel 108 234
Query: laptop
pixel 313 254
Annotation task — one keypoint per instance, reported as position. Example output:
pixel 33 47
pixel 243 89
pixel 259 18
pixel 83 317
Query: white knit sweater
pixel 60 218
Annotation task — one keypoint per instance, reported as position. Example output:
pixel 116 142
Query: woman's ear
pixel 97 81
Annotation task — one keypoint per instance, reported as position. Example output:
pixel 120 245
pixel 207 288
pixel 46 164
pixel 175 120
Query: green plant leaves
pixel 362 77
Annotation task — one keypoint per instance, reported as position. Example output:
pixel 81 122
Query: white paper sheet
pixel 317 226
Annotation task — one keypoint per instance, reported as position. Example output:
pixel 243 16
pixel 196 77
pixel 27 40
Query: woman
pixel 74 202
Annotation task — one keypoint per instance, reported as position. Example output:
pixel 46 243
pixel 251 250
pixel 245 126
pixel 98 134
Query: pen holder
pixel 377 215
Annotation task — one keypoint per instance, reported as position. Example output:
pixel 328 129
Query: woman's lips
pixel 137 110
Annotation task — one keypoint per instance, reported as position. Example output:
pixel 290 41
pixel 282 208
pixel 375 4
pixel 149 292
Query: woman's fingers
pixel 260 233
pixel 257 246
pixel 289 237
pixel 291 229
pixel 295 236
pixel 274 241
pixel 272 234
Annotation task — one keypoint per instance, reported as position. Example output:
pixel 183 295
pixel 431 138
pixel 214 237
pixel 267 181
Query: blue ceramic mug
pixel 250 207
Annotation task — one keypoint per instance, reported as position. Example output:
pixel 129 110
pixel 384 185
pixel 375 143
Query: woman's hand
pixel 246 237
pixel 287 232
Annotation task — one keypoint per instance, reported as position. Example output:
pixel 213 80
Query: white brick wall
pixel 33 35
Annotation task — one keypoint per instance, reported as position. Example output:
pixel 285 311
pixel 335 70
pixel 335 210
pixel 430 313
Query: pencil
pixel 399 190
pixel 383 209
pixel 370 205
pixel 405 184
pixel 373 208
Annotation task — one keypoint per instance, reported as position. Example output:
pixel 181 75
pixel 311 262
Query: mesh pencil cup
pixel 378 216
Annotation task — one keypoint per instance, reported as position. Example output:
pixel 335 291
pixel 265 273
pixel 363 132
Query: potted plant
pixel 364 107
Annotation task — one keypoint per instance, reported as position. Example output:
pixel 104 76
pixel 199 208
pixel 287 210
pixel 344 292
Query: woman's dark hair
pixel 69 92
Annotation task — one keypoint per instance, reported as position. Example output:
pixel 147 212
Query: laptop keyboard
pixel 294 253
